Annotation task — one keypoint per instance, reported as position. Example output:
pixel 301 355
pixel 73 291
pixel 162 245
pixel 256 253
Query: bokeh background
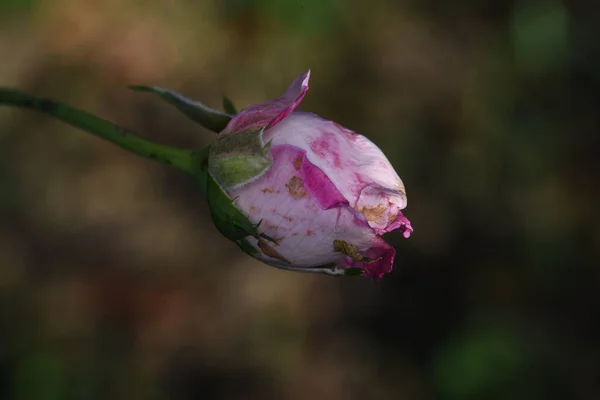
pixel 114 284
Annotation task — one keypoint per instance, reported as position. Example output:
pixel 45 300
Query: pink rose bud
pixel 322 194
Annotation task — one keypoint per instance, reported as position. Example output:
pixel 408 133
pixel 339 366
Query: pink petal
pixel 320 186
pixel 402 223
pixel 268 114
pixel 382 253
pixel 356 166
pixel 302 210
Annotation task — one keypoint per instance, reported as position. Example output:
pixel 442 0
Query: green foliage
pixel 40 377
pixel 540 34
pixel 481 362
pixel 19 6
pixel 306 16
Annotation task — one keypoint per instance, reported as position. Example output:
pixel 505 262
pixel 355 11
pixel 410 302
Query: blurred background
pixel 114 284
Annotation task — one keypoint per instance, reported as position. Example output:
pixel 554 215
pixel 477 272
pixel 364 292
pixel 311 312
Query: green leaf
pixel 228 106
pixel 208 117
pixel 40 375
pixel 540 33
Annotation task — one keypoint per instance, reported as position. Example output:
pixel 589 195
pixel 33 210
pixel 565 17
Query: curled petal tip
pixel 406 228
pixel 306 78
pixel 299 87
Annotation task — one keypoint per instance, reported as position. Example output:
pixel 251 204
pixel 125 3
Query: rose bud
pixel 316 196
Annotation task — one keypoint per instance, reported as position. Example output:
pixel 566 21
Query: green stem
pixel 179 158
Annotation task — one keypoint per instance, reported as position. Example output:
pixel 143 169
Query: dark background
pixel 115 285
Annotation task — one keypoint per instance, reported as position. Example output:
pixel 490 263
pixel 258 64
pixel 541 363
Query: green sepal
pixel 237 158
pixel 208 117
pixel 247 248
pixel 228 106
pixel 228 219
pixel 354 272
pixel 201 168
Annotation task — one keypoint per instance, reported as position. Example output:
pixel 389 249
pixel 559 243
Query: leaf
pixel 228 106
pixel 208 117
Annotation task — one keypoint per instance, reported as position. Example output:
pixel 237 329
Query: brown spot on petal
pixel 351 251
pixel 298 162
pixel 271 252
pixel 374 214
pixel 400 187
pixel 309 233
pixel 268 190
pixel 296 188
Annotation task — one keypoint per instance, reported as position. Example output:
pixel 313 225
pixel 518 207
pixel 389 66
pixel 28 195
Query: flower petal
pixel 382 255
pixel 266 115
pixel 319 185
pixel 358 168
pixel 402 223
pixel 381 207
pixel 302 211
